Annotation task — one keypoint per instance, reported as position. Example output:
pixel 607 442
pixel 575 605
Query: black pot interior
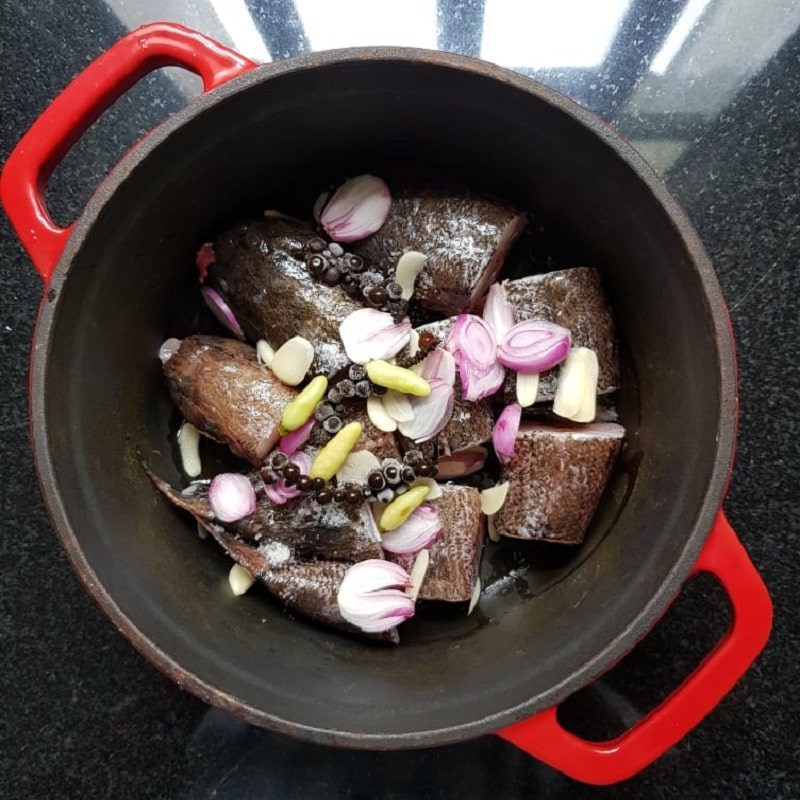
pixel 132 283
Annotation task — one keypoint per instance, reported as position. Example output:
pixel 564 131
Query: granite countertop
pixel 708 91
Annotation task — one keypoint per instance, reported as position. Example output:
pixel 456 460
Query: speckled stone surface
pixel 715 110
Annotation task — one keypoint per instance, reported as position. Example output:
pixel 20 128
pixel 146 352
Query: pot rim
pixel 644 619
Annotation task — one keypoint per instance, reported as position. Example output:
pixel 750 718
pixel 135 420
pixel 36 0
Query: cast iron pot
pixel 121 279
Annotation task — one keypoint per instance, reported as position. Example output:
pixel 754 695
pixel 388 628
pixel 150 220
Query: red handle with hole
pixel 610 762
pixel 22 185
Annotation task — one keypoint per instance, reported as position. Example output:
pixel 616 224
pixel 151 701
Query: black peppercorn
pixel 375 480
pixel 354 495
pixel 316 245
pixel 323 411
pixel 377 296
pixel 291 474
pixel 356 263
pixel 356 372
pixel 318 484
pixel 278 461
pixel 425 469
pixel 340 495
pixel 324 497
pixel 334 395
pixel 391 468
pixel 363 389
pixel 332 425
pixel 346 387
pixel 408 475
pixel 394 290
pixel 412 457
pixel 379 390
pixel 331 276
pixel 304 483
pixel 268 476
pixel 316 264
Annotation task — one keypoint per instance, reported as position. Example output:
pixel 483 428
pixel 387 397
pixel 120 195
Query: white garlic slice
pixel 293 360
pixel 527 388
pixel 494 536
pixel 189 445
pixel 378 416
pixel 409 266
pixel 418 571
pixel 492 499
pixel 413 343
pixel 576 381
pixel 476 595
pixel 357 466
pixel 398 406
pixel 264 353
pixel 240 580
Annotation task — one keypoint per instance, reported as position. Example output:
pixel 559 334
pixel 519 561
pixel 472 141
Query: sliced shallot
pixel 358 208
pixel 419 569
pixel 534 345
pixel 371 595
pixel 430 414
pixel 222 311
pixel 232 497
pixel 472 339
pixel 498 312
pixel 418 532
pixel 476 386
pixel 504 435
pixel 291 442
pixel 369 334
pixel 279 492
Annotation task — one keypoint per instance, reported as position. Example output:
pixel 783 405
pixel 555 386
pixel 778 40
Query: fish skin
pixel 260 268
pixel 574 299
pixel 297 555
pixel 456 554
pixel 220 388
pixel 556 478
pixel 464 237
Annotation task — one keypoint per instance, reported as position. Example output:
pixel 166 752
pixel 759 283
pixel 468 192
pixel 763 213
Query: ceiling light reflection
pixel 542 33
pixel 678 35
pixel 330 24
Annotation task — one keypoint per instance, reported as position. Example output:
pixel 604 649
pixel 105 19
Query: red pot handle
pixel 610 762
pixel 22 185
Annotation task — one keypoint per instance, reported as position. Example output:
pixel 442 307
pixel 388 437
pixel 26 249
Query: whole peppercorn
pixel 356 372
pixel 332 425
pixel 331 276
pixel 379 391
pixel 354 262
pixel 408 475
pixel 340 495
pixel 324 497
pixel 375 480
pixel 354 495
pixel 278 460
pixel 323 411
pixel 317 484
pixel 268 476
pixel 394 290
pixel 346 387
pixel 334 395
pixel 316 265
pixel 412 457
pixel 377 296
pixel 391 468
pixel 291 473
pixel 425 469
pixel 304 483
pixel 371 278
pixel 316 245
pixel 363 389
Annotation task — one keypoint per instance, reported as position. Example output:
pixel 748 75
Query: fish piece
pixel 456 554
pixel 574 299
pixel 218 386
pixel 299 553
pixel 465 238
pixel 379 443
pixel 556 479
pixel 299 530
pixel 261 270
